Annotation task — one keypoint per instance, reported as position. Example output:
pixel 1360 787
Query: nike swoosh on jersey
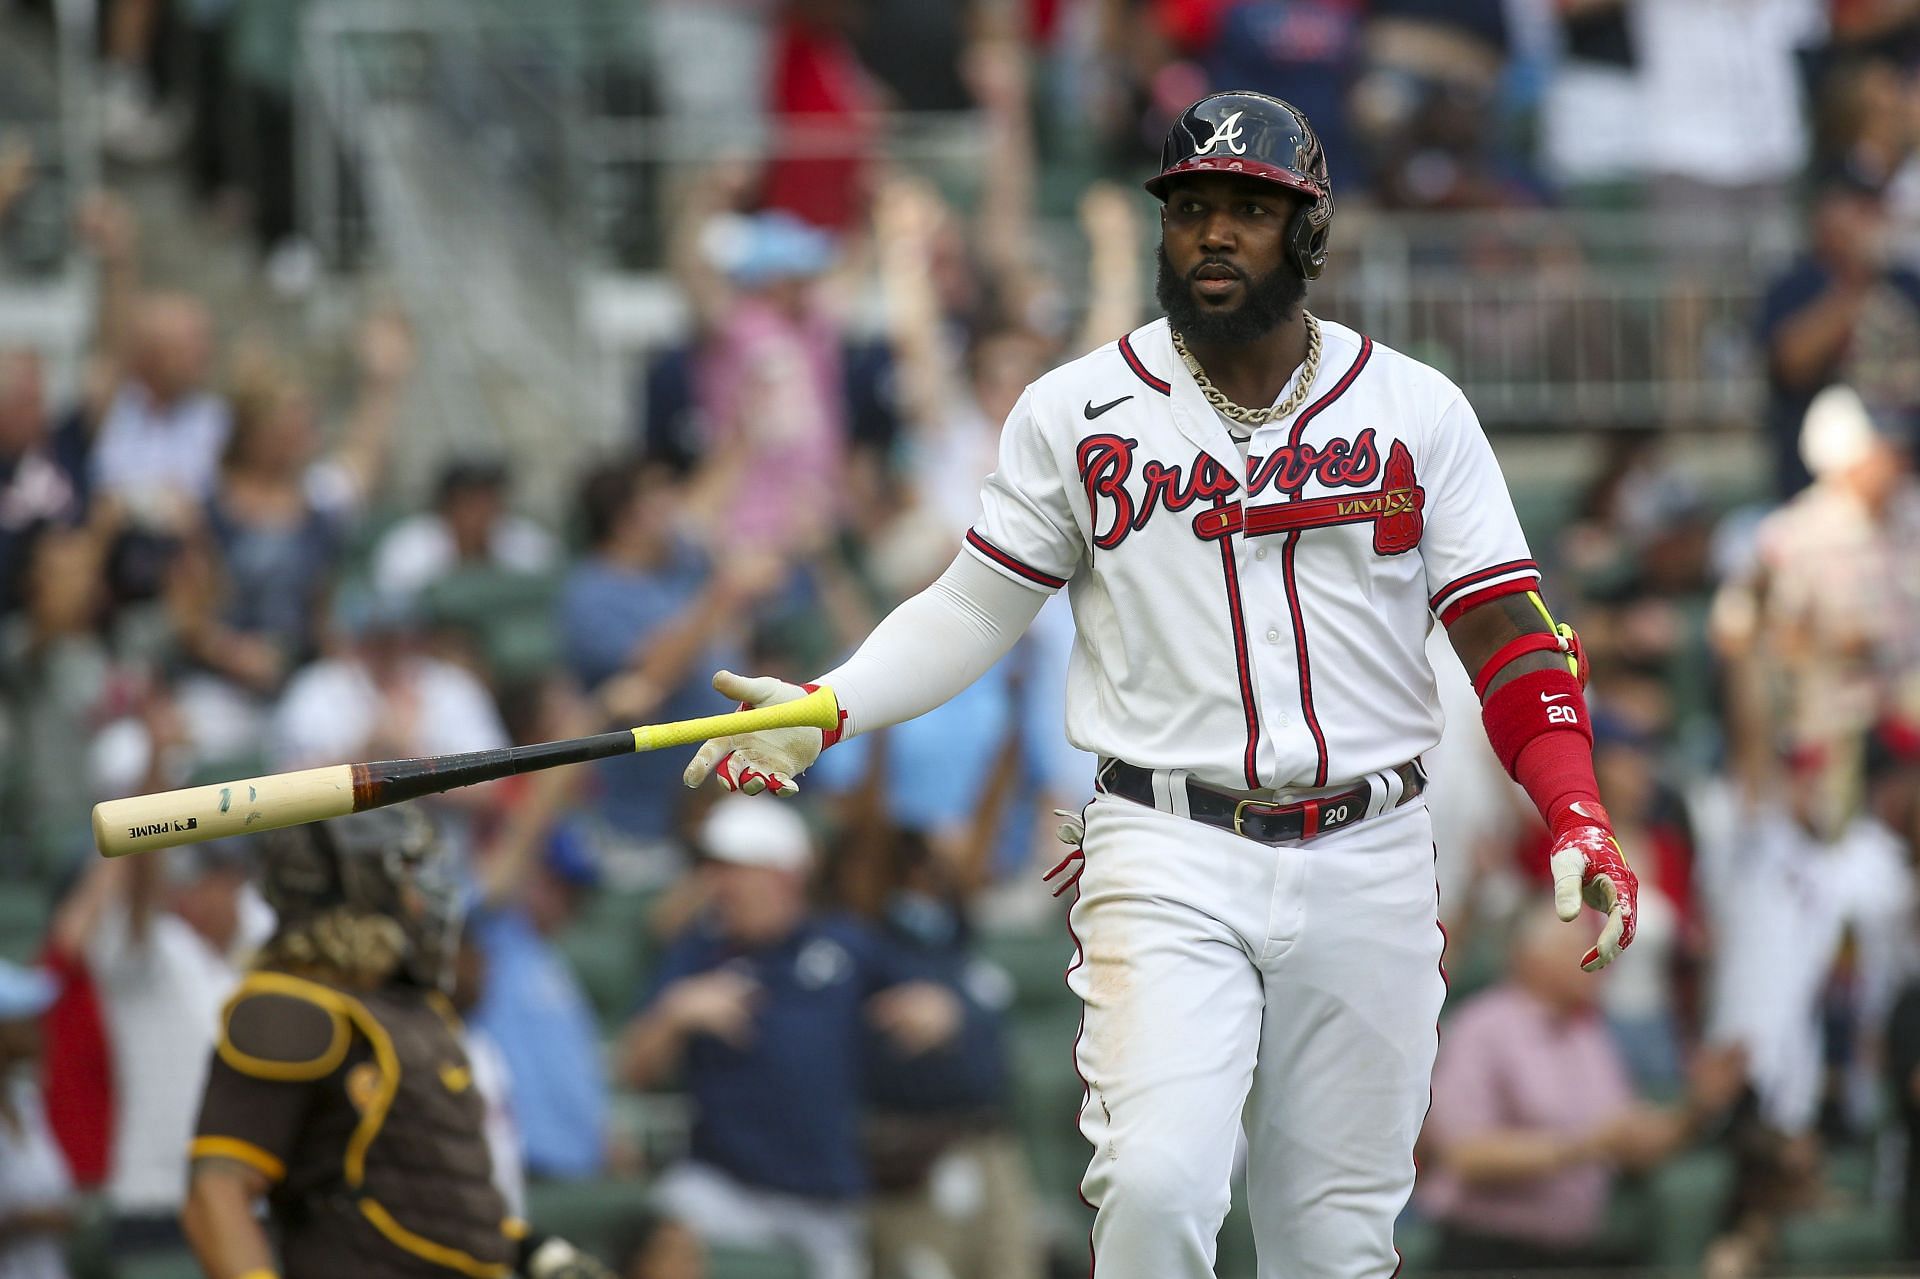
pixel 1555 697
pixel 1093 412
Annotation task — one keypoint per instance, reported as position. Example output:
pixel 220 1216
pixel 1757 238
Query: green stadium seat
pixel 1419 1243
pixel 1855 1238
pixel 609 949
pixel 1679 1207
pixel 1036 961
pixel 508 614
pixel 158 1265
pixel 90 1245
pixel 746 1263
pixel 23 920
pixel 597 1214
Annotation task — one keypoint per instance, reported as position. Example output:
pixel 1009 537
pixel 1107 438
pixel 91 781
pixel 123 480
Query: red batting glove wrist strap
pixel 1539 729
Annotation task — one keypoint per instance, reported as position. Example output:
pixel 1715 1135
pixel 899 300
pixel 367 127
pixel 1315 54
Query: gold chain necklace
pixel 1303 385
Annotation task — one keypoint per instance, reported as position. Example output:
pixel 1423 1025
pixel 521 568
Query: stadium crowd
pixel 814 1026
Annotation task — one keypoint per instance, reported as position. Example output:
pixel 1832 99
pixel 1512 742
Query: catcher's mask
pixel 385 862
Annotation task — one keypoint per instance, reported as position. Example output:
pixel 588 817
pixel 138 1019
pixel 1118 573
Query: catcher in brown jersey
pixel 339 1092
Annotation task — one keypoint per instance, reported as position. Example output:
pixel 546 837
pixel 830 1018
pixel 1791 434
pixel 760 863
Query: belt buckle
pixel 1240 807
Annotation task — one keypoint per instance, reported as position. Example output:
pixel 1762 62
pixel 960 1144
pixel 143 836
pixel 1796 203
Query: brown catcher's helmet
pixel 1254 136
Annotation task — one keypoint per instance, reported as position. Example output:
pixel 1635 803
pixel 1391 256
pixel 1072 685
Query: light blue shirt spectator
pixel 938 765
pixel 607 612
pixel 536 1012
pixel 533 1007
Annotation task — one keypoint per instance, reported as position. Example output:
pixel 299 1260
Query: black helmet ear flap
pixel 1307 236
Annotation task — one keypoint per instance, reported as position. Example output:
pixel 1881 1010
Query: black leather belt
pixel 1269 823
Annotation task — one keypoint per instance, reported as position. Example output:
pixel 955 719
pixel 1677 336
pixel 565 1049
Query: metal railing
pixel 1547 318
pixel 510 167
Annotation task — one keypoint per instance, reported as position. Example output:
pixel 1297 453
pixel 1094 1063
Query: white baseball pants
pixel 1294 990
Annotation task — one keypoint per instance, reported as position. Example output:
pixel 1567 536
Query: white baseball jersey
pixel 1259 621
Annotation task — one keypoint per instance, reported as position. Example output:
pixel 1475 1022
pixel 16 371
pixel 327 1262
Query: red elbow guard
pixel 1539 729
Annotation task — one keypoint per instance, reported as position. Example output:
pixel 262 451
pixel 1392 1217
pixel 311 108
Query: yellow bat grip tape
pixel 818 709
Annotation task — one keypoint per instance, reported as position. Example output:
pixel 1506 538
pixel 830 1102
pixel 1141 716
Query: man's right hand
pixel 753 762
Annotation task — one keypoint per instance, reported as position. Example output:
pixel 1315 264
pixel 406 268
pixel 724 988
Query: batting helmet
pixel 1254 136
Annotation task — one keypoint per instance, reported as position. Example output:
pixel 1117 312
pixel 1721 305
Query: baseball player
pixel 339 1094
pixel 1259 515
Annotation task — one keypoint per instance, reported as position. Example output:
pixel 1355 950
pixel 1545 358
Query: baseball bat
pixel 140 823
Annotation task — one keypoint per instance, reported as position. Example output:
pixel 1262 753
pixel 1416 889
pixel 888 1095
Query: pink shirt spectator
pixel 771 389
pixel 1509 1062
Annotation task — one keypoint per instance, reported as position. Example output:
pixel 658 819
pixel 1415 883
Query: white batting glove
pixel 753 762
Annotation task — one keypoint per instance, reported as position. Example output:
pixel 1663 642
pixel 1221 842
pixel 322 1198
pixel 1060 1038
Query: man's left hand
pixel 1589 868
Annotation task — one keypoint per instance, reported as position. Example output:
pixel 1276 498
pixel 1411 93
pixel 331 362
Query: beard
pixel 1268 301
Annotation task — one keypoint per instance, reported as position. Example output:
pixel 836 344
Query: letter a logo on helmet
pixel 1227 131
pixel 1251 135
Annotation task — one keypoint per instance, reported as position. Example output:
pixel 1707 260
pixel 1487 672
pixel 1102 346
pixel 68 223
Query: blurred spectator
pixel 1304 51
pixel 937 772
pixel 1642 1002
pixel 1860 118
pixel 1843 312
pixel 469 526
pixel 646 607
pixel 135 126
pixel 1723 118
pixel 76 1075
pixel 1788 866
pixel 159 443
pixel 264 44
pixel 491 1077
pixel 822 101
pixel 162 935
pixel 1534 1117
pixel 662 1248
pixel 212 136
pixel 383 696
pixel 1591 112
pixel 915 50
pixel 533 1006
pixel 1903 1080
pixel 710 60
pixel 36 1195
pixel 1422 109
pixel 37 484
pixel 249 594
pixel 960 380
pixel 58 682
pixel 771 386
pixel 1822 632
pixel 761 1004
pixel 1784 872
pixel 951 1182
